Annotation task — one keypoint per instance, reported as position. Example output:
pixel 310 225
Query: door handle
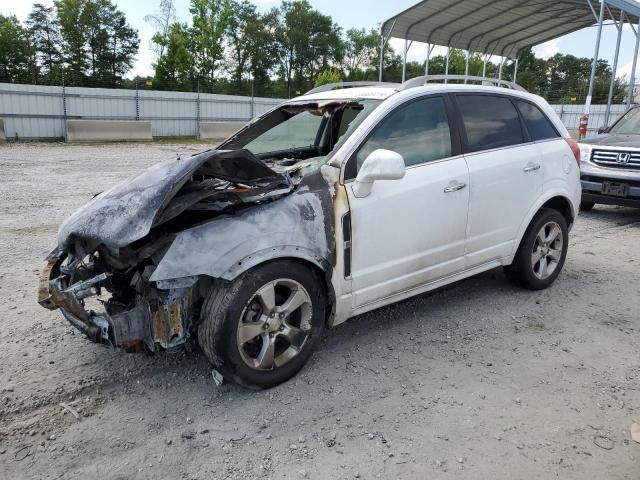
pixel 455 188
pixel 532 167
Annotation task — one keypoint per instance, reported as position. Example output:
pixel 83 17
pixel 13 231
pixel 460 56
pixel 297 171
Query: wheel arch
pixel 563 206
pixel 557 200
pixel 299 255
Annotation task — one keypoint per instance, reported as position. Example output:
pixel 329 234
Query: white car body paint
pixel 409 237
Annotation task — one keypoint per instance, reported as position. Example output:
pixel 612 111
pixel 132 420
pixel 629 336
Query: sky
pixel 354 14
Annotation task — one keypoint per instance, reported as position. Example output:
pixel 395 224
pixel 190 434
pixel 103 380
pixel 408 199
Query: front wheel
pixel 260 329
pixel 542 252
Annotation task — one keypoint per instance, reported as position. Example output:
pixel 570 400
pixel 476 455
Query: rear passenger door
pixel 505 171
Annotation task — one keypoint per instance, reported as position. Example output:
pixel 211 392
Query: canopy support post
pixel 404 59
pixel 466 67
pixel 632 80
pixel 446 67
pixel 484 65
pixel 614 69
pixel 429 51
pixel 383 43
pixel 515 72
pixel 500 69
pixel 587 106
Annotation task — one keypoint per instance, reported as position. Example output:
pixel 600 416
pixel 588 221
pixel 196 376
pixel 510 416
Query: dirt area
pixel 480 380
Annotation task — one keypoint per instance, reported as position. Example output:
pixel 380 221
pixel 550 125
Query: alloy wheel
pixel 275 325
pixel 547 250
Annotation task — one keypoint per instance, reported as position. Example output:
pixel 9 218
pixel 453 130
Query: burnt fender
pixel 299 225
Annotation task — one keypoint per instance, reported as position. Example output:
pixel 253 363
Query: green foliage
pixel 229 46
pixel 307 42
pixel 328 76
pixel 360 52
pixel 44 33
pixel 98 46
pixel 17 55
pixel 175 70
pixel 210 21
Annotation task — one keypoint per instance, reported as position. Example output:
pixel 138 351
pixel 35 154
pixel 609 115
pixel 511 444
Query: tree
pixel 17 56
pixel 176 68
pixel 210 21
pixel 308 42
pixel 73 31
pixel 328 76
pixel 360 50
pixel 264 57
pixel 124 44
pixel 162 21
pixel 246 40
pixel 44 33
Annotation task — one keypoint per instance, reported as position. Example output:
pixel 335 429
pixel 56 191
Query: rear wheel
pixel 260 329
pixel 587 206
pixel 542 252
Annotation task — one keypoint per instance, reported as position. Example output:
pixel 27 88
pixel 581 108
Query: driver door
pixel 410 232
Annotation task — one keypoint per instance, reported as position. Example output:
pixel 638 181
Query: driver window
pixel 418 131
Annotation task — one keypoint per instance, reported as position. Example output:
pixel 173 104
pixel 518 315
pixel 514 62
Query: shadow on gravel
pixel 616 216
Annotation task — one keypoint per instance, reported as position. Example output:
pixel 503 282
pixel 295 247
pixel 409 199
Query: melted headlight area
pixel 119 308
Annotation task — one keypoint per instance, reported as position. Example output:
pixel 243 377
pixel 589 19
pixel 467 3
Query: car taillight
pixel 575 148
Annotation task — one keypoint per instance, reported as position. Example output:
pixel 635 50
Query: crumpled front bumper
pixel 156 323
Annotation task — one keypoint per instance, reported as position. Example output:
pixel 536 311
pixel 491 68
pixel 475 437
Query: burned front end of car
pixel 116 305
pixel 99 276
pixel 133 267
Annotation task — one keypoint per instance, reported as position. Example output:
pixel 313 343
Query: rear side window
pixel 490 122
pixel 539 126
pixel 418 131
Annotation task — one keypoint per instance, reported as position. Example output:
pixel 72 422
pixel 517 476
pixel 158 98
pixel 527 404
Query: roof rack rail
pixel 338 86
pixel 421 81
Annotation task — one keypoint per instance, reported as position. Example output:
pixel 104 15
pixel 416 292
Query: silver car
pixel 610 170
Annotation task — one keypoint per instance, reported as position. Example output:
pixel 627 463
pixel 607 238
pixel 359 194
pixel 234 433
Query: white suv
pixel 331 205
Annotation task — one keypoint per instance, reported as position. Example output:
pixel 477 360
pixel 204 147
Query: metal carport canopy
pixel 499 27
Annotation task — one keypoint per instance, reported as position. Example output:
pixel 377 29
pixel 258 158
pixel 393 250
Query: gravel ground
pixel 480 380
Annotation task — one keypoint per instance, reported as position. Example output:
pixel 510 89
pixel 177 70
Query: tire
pixel 248 334
pixel 587 206
pixel 539 275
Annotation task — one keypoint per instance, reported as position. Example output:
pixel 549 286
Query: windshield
pixel 302 131
pixel 628 124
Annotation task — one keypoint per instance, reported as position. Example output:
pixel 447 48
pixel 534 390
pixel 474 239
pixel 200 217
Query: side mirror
pixel 602 130
pixel 379 165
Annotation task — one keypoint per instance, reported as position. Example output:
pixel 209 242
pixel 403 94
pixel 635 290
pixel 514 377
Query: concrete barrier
pixel 3 137
pixel 219 131
pixel 108 131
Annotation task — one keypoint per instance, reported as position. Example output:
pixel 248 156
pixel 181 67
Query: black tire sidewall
pixel 524 267
pixel 587 206
pixel 228 311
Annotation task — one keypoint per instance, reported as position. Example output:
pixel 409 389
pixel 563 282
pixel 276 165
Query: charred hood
pixel 128 211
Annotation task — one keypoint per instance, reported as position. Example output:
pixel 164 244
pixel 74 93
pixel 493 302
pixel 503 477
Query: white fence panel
pixel 38 112
pixel 570 116
pixel 35 112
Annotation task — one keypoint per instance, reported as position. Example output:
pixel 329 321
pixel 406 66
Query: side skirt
pixel 398 297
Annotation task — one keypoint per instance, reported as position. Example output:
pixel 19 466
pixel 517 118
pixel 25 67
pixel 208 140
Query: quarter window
pixel 418 131
pixel 490 122
pixel 539 126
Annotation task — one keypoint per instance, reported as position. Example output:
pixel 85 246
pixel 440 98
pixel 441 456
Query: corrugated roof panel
pixel 501 27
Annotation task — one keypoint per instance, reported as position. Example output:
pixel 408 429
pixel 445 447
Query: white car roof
pixel 383 92
pixel 374 93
